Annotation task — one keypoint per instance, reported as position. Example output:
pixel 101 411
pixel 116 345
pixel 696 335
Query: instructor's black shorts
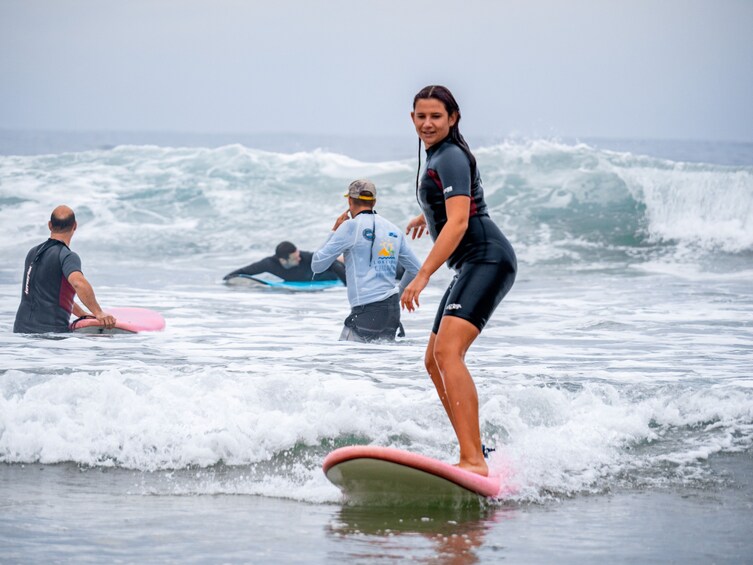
pixel 475 292
pixel 377 320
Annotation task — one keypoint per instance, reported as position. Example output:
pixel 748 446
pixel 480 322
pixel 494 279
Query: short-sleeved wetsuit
pixel 300 273
pixel 484 260
pixel 46 294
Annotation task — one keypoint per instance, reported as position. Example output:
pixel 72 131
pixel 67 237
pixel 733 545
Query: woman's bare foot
pixel 478 468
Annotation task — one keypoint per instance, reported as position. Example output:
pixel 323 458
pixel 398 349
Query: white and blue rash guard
pixel 373 248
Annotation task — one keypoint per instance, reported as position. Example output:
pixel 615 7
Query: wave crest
pixel 553 199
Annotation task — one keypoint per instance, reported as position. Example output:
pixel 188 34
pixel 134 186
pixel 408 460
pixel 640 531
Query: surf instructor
pixel 375 252
pixel 455 215
pixel 52 277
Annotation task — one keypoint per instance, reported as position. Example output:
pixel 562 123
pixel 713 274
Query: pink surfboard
pixel 129 320
pixel 371 474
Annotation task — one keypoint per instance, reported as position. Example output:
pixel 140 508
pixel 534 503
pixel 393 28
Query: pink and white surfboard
pixel 372 474
pixel 129 320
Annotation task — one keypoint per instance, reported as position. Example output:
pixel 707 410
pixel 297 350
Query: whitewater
pixel 619 363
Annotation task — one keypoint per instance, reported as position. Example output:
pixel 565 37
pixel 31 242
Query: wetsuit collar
pixel 436 146
pixel 45 246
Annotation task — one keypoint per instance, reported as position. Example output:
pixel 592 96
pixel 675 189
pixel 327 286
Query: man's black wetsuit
pixel 484 260
pixel 46 294
pixel 300 273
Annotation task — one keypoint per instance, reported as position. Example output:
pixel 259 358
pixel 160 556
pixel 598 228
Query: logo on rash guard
pixel 453 307
pixel 28 280
pixel 387 250
pixel 386 260
pixel 448 189
pixel 368 234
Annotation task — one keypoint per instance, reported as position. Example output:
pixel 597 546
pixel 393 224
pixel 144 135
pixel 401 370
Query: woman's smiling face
pixel 432 121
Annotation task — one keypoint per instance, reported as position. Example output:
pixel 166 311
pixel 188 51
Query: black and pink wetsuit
pixel 46 294
pixel 484 260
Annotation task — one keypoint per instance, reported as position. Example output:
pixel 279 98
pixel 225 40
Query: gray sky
pixel 668 69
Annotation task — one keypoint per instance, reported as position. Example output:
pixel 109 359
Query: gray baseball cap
pixel 362 190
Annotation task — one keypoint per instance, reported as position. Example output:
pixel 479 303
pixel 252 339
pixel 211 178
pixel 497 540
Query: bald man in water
pixel 52 277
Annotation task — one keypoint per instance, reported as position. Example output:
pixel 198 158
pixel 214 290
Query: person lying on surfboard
pixel 52 277
pixel 291 265
pixel 375 253
pixel 456 216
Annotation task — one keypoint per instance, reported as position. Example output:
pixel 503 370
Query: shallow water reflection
pixel 436 535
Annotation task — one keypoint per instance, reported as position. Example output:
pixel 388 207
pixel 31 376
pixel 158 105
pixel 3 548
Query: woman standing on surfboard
pixel 455 214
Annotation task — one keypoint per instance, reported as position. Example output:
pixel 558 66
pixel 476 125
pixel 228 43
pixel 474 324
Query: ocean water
pixel 615 380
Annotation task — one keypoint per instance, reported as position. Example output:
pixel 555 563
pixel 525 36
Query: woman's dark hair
pixel 444 95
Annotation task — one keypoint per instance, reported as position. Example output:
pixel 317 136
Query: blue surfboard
pixel 272 282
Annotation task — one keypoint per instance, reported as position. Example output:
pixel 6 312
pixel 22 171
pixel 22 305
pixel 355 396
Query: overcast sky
pixel 650 69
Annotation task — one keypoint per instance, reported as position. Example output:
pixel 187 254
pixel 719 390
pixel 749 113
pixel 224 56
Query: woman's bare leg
pixel 436 377
pixel 460 399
